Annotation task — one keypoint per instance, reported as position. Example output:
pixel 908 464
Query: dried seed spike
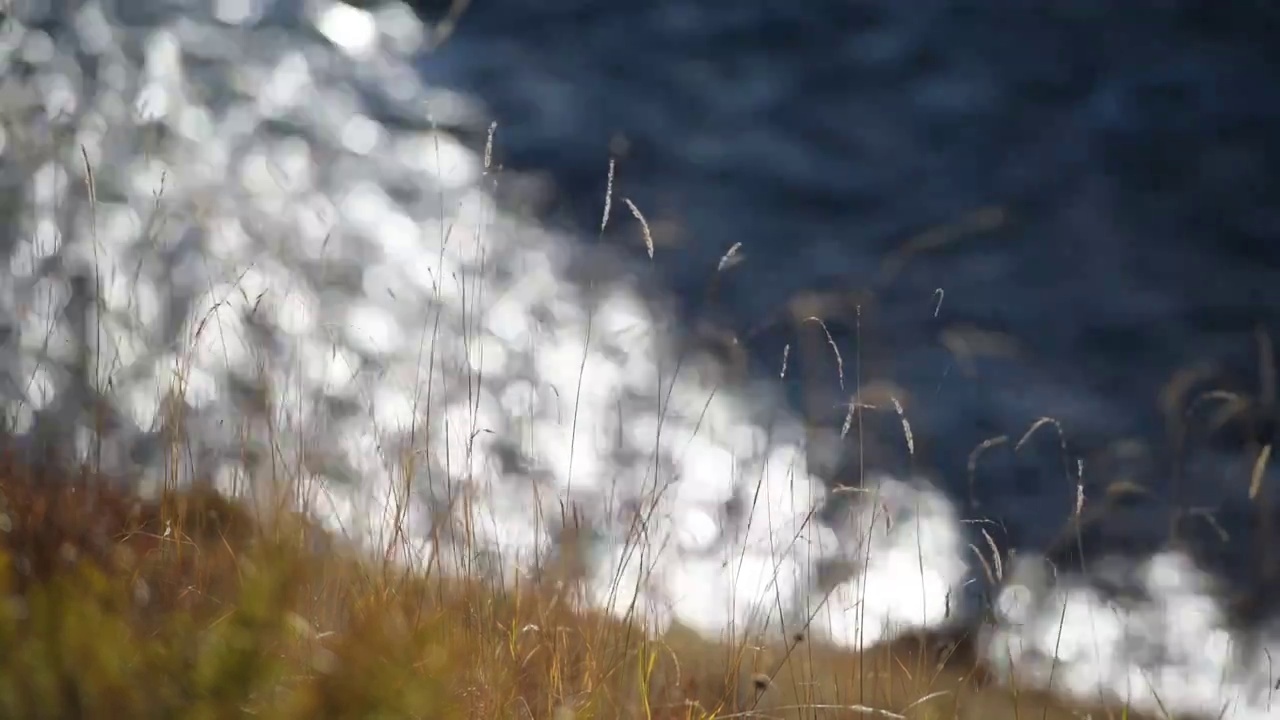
pixel 488 147
pixel 995 554
pixel 608 196
pixel 1259 469
pixel 991 578
pixel 1079 486
pixel 927 698
pixel 1036 426
pixel 854 405
pixel 728 257
pixel 848 417
pixel 906 426
pixel 644 225
pixel 973 459
pixel 834 348
pixel 1234 401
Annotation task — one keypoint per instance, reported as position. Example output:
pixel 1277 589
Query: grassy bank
pixel 193 606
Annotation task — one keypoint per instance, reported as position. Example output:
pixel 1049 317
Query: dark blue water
pixel 1132 151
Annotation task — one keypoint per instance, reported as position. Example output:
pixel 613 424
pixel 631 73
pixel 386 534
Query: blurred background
pixel 1001 211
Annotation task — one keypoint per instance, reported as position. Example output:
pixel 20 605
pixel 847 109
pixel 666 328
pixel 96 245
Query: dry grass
pixel 191 606
pixel 196 606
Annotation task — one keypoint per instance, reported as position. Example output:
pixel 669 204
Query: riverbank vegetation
pixel 193 605
pixel 190 604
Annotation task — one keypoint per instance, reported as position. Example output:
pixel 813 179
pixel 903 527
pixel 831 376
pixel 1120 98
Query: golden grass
pixel 191 606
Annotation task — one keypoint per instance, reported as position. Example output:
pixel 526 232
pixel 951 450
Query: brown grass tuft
pixel 191 606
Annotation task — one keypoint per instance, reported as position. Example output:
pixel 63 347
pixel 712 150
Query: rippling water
pixel 278 246
pixel 1133 151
